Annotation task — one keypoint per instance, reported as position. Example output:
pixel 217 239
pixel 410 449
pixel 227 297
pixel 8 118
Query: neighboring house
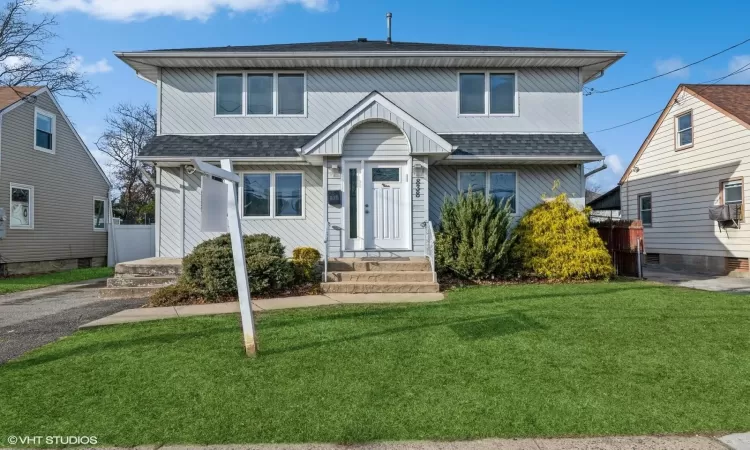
pixel 695 157
pixel 362 141
pixel 53 192
pixel 604 206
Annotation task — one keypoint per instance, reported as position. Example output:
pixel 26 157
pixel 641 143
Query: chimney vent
pixel 388 17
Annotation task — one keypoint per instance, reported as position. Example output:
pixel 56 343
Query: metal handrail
pixel 325 253
pixel 429 246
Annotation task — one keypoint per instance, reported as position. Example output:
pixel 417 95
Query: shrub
pixel 474 239
pixel 555 241
pixel 305 261
pixel 175 295
pixel 209 269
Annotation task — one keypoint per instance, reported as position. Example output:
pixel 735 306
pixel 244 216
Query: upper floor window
pixel 44 131
pixel 260 94
pixel 487 93
pixel 684 129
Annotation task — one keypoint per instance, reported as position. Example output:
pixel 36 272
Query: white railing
pixel 429 246
pixel 325 253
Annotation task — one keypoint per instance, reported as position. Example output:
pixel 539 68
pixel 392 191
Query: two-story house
pixel 694 159
pixel 53 193
pixel 351 147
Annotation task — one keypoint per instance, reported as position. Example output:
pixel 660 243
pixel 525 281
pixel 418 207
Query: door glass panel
pixel 353 203
pixel 386 174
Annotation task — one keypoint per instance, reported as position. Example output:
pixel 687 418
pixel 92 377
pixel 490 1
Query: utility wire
pixel 744 68
pixel 593 91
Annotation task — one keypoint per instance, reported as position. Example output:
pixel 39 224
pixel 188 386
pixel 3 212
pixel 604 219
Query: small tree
pixel 474 238
pixel 555 241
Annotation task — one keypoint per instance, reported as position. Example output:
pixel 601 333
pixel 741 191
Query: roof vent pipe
pixel 388 17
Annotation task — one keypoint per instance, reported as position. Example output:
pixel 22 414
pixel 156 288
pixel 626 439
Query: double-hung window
pixel 732 194
pixel 644 209
pixel 44 131
pixel 273 195
pixel 261 94
pixel 99 213
pixel 487 93
pixel 498 184
pixel 21 207
pixel 684 130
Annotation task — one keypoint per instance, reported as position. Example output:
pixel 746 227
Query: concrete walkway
pixel 171 312
pixel 716 283
pixel 601 443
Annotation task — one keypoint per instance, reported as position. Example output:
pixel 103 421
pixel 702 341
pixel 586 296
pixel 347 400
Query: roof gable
pixel 10 95
pixel 375 106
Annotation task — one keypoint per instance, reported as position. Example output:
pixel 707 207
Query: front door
pixel 387 216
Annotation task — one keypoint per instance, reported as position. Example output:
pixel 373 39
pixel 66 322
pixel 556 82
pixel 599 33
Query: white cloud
pixel 738 63
pixel 101 66
pixel 14 62
pixel 126 10
pixel 668 65
pixel 614 163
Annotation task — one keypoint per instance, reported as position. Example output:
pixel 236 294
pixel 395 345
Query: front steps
pixel 141 278
pixel 379 275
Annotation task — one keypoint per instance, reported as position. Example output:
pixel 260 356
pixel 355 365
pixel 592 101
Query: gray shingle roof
pixel 224 146
pixel 283 146
pixel 522 144
pixel 359 46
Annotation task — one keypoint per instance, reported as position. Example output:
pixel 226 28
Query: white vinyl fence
pixel 131 242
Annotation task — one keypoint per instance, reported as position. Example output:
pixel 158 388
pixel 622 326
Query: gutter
pixel 390 54
pixel 189 159
pixel 522 158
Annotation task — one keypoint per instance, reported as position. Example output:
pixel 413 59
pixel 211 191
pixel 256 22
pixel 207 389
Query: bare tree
pixel 23 60
pixel 129 129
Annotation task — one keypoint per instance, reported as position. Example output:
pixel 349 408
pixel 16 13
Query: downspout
pixel 111 246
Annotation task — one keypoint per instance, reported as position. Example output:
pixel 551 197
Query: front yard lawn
pixel 621 358
pixel 24 283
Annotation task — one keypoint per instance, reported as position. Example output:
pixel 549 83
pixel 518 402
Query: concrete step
pixel 379 287
pixel 139 281
pixel 155 267
pixel 113 293
pixel 366 277
pixel 413 264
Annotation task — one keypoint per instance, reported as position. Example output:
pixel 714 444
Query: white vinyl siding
pixel 684 184
pixel 548 101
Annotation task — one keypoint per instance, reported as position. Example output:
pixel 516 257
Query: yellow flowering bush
pixel 555 241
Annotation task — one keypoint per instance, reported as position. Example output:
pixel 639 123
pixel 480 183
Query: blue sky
pixel 657 36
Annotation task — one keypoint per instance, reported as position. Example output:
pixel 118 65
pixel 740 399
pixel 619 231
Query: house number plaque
pixel 418 189
pixel 334 198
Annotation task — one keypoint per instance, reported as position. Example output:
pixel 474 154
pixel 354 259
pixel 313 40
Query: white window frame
pixel 487 183
pixel 487 105
pixel 272 206
pixel 275 73
pixel 29 188
pixel 734 181
pixel 677 130
pixel 640 208
pixel 104 201
pixel 37 112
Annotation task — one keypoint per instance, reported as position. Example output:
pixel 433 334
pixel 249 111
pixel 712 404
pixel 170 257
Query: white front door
pixel 387 215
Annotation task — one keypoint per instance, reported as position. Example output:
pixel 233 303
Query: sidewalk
pixel 598 443
pixel 171 312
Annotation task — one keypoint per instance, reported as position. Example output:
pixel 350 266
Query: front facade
pixel 53 193
pixel 352 147
pixel 695 158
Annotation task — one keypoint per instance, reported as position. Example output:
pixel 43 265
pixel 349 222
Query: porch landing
pixel 380 275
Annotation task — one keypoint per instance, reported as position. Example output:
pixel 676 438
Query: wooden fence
pixel 624 241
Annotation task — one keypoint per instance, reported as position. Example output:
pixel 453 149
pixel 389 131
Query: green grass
pixel 24 283
pixel 619 358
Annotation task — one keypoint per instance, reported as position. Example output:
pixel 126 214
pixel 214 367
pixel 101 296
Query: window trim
pixel 742 190
pixel 29 188
pixel 104 201
pixel 487 183
pixel 639 197
pixel 677 130
pixel 272 206
pixel 44 112
pixel 275 74
pixel 487 97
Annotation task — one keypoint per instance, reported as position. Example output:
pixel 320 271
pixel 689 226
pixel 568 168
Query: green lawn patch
pixel 621 358
pixel 24 283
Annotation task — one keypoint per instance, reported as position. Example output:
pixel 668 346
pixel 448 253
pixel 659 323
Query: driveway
pixel 717 283
pixel 33 318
